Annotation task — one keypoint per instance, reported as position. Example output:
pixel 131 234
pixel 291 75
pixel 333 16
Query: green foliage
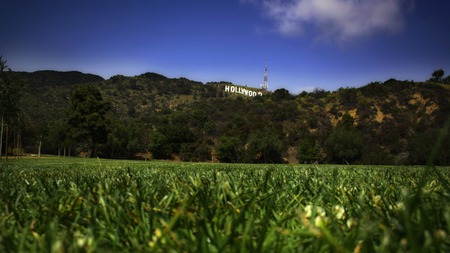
pixel 94 205
pixel 446 80
pixel 281 94
pixel 195 152
pixel 124 140
pixel 388 117
pixel 437 75
pixel 57 135
pixel 309 151
pixel 159 145
pixel 177 134
pixel 10 111
pixel 264 147
pixel 347 122
pixel 423 144
pixel 345 145
pixel 10 94
pixel 229 149
pixel 348 97
pixel 87 116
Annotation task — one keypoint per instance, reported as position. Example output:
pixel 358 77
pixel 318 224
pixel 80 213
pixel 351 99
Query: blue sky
pixel 308 43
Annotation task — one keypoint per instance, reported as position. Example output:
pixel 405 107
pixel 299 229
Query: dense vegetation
pixel 94 205
pixel 152 116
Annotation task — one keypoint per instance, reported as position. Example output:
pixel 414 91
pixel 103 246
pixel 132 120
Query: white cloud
pixel 341 20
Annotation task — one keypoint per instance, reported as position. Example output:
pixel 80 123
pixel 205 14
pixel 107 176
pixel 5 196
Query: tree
pixel 309 151
pixel 177 134
pixel 281 94
pixel 195 152
pixel 159 145
pixel 57 136
pixel 344 145
pixel 123 140
pixel 229 149
pixel 265 147
pixel 9 100
pixel 446 80
pixel 423 144
pixel 347 121
pixel 437 75
pixel 88 116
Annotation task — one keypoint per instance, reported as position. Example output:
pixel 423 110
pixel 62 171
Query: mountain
pixel 45 94
pixel 395 122
pixel 50 78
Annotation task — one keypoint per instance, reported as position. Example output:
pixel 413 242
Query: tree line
pixel 154 117
pixel 10 123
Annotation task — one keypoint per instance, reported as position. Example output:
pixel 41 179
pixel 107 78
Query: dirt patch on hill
pixel 417 98
pixel 380 116
pixel 424 104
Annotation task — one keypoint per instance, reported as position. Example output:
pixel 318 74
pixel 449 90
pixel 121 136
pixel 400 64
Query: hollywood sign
pixel 243 91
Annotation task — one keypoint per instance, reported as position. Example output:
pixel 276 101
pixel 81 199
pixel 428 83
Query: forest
pixel 151 116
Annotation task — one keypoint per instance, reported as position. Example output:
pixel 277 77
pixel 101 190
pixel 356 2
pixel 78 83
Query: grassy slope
pixel 85 205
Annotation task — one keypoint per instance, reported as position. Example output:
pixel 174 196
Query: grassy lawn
pixel 95 205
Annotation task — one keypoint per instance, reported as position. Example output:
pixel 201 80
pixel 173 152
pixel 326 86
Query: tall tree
pixel 437 75
pixel 159 145
pixel 265 146
pixel 344 145
pixel 229 149
pixel 309 150
pixel 88 116
pixel 9 99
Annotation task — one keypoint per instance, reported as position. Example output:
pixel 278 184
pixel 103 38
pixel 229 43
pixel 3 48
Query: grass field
pixel 93 205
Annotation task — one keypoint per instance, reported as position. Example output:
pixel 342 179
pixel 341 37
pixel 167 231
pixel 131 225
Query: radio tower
pixel 265 84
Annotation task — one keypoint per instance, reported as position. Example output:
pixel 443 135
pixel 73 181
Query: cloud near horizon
pixel 340 20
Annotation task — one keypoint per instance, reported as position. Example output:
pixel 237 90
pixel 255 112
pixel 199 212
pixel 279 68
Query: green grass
pixel 94 205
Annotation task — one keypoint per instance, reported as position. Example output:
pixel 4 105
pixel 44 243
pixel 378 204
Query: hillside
pixel 46 93
pixel 395 122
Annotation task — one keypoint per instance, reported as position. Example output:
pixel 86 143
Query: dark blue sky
pixel 307 43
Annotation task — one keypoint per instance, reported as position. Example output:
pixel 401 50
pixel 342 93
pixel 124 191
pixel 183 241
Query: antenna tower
pixel 265 84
